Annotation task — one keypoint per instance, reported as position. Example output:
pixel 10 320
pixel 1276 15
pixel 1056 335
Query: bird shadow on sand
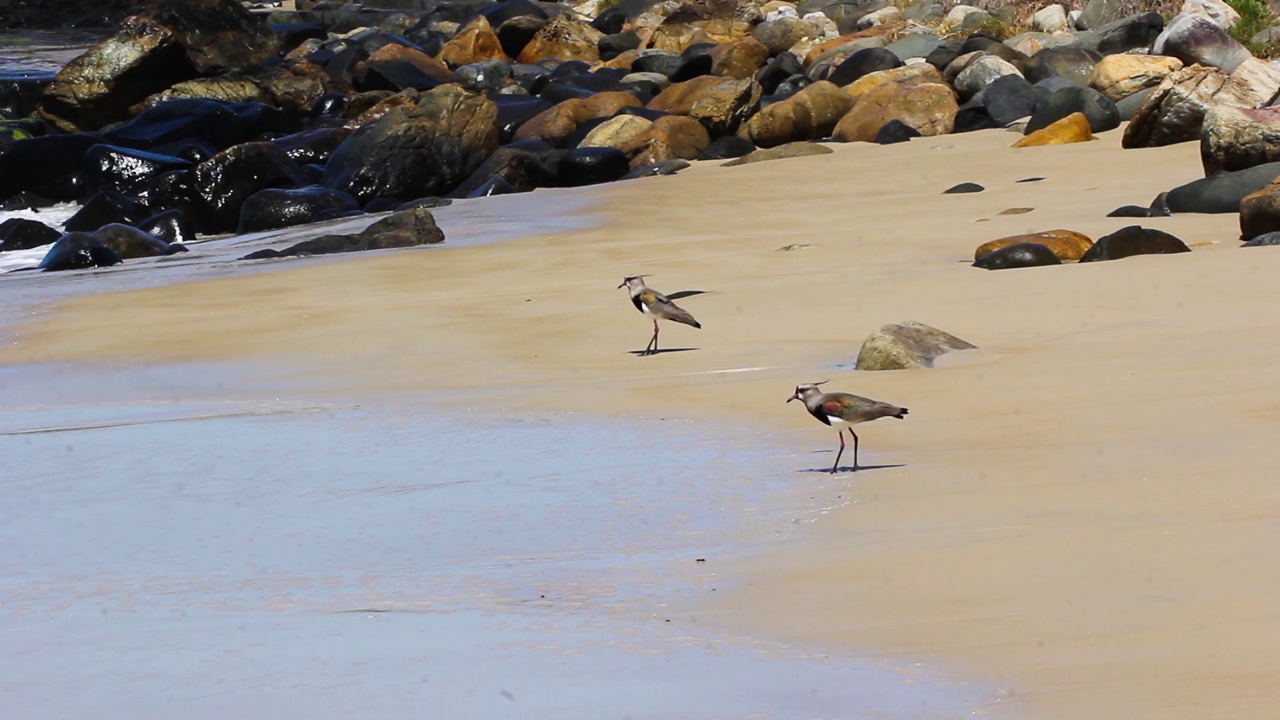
pixel 849 469
pixel 663 351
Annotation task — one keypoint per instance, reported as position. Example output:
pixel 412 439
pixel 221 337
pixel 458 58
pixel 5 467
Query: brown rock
pixel 1073 128
pixel 555 124
pixel 670 136
pixel 475 42
pixel 229 88
pixel 781 152
pixel 1260 212
pixel 374 104
pixel 721 104
pixel 1121 75
pixel 1253 83
pixel 1067 245
pixel 1174 112
pixel 393 54
pixel 913 74
pixel 616 132
pixel 564 39
pixel 928 107
pixel 740 58
pixel 779 35
pixel 809 114
pixel 879 31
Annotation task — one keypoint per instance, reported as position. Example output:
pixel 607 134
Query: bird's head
pixel 806 391
pixel 633 281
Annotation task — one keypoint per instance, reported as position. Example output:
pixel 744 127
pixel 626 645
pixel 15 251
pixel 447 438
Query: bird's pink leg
pixel 655 338
pixel 839 452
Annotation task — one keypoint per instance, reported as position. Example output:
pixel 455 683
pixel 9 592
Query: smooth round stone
pixel 964 187
pixel 1021 255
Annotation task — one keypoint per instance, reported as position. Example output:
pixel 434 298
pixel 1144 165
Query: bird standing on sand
pixel 655 305
pixel 842 411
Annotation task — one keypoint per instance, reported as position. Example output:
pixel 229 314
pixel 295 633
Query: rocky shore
pixel 204 117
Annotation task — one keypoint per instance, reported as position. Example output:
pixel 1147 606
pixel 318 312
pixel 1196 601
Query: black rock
pixel 26 201
pixel 312 147
pixel 591 166
pixel 24 234
pixel 863 62
pixel 777 71
pixel 426 202
pixel 1133 240
pixel 170 226
pixel 1011 97
pixel 48 165
pixel 726 147
pixel 964 187
pixel 177 121
pixel 521 170
pixel 104 208
pixel 229 178
pixel 895 131
pixel 20 91
pixel 657 61
pixel 404 228
pixel 76 251
pixel 1097 108
pixel 279 207
pixel 1219 193
pixel 665 167
pixel 944 54
pixel 1021 255
pixel 973 118
pixel 514 111
pixel 1124 34
pixel 1130 211
pixel 693 64
pixel 494 186
pixel 125 170
pixel 617 43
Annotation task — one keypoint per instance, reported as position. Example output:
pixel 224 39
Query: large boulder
pixel 557 124
pixel 615 132
pixel 1220 193
pixel 928 108
pixel 224 181
pixel 1119 76
pixel 564 38
pixel 907 345
pixel 109 167
pixel 77 251
pixel 1195 39
pixel 1073 128
pixel 405 228
pixel 1260 212
pixel 1133 240
pixel 280 207
pixel 722 104
pixel 1096 107
pixel 1236 138
pixel 810 114
pixel 1174 112
pixel 1135 32
pixel 669 137
pixel 416 151
pixel 173 41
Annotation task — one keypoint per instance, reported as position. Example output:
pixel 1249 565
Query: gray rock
pixel 1123 35
pixel 1195 39
pixel 1099 12
pixel 1097 108
pixel 924 12
pixel 1266 239
pixel 1128 106
pixel 913 46
pixel 1220 193
pixel 907 345
pixel 963 188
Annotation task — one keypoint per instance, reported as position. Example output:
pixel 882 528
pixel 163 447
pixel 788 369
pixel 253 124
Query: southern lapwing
pixel 655 305
pixel 842 411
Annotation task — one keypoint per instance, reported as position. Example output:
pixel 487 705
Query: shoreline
pixel 962 554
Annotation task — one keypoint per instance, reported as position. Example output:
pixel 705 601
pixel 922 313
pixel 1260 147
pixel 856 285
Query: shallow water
pixel 274 556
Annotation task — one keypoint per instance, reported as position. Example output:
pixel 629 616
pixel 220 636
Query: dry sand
pixel 1084 512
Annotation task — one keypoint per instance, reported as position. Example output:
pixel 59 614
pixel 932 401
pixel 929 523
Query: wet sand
pixel 1083 512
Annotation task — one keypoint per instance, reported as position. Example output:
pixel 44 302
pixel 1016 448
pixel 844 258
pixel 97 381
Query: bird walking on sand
pixel 842 411
pixel 657 306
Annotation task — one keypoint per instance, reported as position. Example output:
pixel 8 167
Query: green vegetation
pixel 995 27
pixel 1255 17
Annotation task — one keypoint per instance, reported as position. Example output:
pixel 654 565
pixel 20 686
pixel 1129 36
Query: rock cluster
pixel 240 121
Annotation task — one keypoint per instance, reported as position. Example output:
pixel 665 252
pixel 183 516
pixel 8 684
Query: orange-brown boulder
pixel 670 136
pixel 1073 128
pixel 475 42
pixel 1067 245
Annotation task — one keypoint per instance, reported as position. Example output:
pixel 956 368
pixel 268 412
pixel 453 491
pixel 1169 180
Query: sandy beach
pixel 1083 512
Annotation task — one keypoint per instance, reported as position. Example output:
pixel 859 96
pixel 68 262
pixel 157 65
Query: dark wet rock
pixel 313 146
pixel 665 167
pixel 1019 255
pixel 426 202
pixel 1220 193
pixel 1123 34
pixel 1133 240
pixel 907 345
pixel 777 71
pixel 404 228
pixel 48 165
pixel 104 208
pixel 1130 211
pixel 969 119
pixel 225 181
pixel 77 251
pixel 592 165
pixel 425 149
pixel 20 91
pixel 110 167
pixel 781 152
pixel 1195 39
pixel 945 53
pixel 280 207
pixel 862 63
pixel 25 201
pixel 1096 107
pixel 484 76
pixel 181 119
pixel 1067 61
pixel 726 147
pixel 173 41
pixel 176 190
pixel 964 187
pixel 615 44
pixel 1011 97
pixel 130 242
pixel 24 234
pixel 1264 240
pixel 523 170
pixel 493 186
pixel 170 226
pixel 514 111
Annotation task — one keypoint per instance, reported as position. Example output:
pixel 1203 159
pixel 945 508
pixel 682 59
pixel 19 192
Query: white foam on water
pixel 53 217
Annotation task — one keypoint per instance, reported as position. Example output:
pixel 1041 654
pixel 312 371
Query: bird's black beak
pixel 793 397
pixel 624 284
